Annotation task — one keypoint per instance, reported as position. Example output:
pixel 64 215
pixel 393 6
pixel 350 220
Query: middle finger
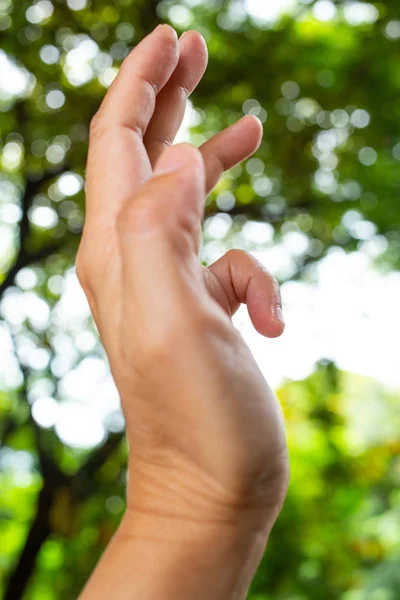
pixel 171 101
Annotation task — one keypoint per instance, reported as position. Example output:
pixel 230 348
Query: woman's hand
pixel 205 431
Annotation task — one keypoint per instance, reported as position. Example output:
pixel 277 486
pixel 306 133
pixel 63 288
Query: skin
pixel 208 468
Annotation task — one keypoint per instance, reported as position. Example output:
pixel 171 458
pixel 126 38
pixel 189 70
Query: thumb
pixel 157 248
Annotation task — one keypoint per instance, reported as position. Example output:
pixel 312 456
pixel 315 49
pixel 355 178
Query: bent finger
pixel 131 99
pixel 245 280
pixel 171 101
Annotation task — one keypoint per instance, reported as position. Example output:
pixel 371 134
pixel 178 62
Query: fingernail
pixel 279 314
pixel 183 35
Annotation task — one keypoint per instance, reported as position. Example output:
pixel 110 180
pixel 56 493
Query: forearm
pixel 158 559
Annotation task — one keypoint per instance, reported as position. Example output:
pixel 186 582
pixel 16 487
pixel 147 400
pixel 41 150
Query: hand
pixel 205 431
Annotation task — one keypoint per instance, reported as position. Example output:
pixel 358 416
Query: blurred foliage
pixel 338 534
pixel 327 173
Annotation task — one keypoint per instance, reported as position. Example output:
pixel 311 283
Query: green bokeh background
pixel 328 95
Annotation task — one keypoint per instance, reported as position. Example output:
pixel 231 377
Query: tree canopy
pixel 325 81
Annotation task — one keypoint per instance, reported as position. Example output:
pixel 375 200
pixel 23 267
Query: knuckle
pixel 194 152
pixel 81 269
pixel 97 126
pixel 138 217
pixel 163 341
pixel 210 322
pixel 275 286
pixel 237 254
pixel 185 89
pixel 158 347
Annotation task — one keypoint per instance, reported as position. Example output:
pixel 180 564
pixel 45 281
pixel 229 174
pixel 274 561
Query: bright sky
pixel 354 12
pixel 269 11
pixel 349 316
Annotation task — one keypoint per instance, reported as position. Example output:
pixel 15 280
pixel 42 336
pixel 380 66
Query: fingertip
pixel 255 120
pixel 180 157
pixel 165 39
pixel 276 329
pixel 176 192
pixel 191 153
pixel 266 316
pixel 198 44
pixel 194 53
pixel 268 326
pixel 255 124
pixel 166 30
pixel 195 37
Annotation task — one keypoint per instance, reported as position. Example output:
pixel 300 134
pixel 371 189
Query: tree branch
pixel 23 258
pixel 81 489
pixel 40 529
pixel 9 427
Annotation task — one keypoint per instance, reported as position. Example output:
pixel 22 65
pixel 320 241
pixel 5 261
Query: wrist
pixel 155 556
pixel 186 539
pixel 181 537
pixel 174 491
pixel 172 559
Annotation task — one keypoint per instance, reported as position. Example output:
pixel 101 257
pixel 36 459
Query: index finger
pixel 118 163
